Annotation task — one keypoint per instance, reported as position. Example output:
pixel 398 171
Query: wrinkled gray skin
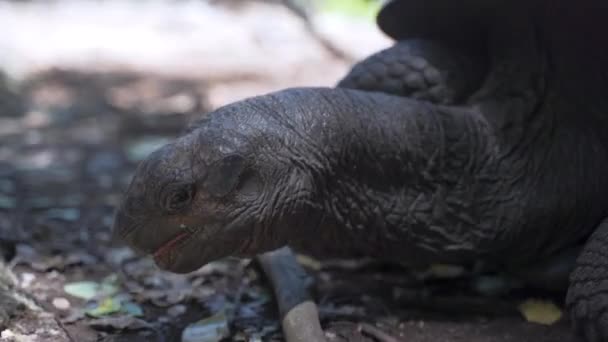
pixel 480 135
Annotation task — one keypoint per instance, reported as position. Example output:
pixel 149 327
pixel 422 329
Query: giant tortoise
pixel 481 134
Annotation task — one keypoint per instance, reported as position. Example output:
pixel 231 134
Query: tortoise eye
pixel 179 198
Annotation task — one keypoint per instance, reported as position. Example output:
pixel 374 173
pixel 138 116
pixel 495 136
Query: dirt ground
pixel 65 162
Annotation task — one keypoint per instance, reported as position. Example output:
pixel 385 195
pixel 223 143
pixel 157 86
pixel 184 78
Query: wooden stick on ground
pixel 298 312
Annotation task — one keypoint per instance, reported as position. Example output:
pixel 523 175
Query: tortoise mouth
pixel 170 245
pixel 164 255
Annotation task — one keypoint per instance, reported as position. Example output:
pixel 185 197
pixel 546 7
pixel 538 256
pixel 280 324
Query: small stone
pixel 7 334
pixel 61 303
pixel 27 279
pixel 330 335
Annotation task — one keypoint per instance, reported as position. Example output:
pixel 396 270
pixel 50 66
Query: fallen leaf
pixel 212 329
pixel 540 312
pixel 89 289
pixel 106 307
pixel 309 262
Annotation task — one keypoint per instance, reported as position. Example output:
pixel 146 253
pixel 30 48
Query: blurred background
pixel 89 88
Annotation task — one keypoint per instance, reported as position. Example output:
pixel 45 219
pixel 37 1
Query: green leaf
pixel 356 8
pixel 89 289
pixel 106 307
pixel 541 312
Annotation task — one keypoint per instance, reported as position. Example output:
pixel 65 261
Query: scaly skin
pixel 587 299
pixel 420 69
pixel 264 175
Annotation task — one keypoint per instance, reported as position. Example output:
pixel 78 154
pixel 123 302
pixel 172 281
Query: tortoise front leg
pixel 587 299
pixel 420 69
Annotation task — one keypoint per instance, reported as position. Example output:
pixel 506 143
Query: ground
pixel 64 164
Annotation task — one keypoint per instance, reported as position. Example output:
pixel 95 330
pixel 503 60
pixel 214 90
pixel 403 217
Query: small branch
pixel 298 312
pixel 301 324
pixel 65 330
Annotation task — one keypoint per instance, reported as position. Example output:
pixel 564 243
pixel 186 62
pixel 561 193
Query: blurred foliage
pixel 358 8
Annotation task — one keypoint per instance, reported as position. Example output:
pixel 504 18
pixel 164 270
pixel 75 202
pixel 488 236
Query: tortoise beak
pixel 125 231
pixel 144 235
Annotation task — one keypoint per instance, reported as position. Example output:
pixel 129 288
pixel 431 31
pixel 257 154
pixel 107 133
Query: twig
pixel 298 312
pixel 65 330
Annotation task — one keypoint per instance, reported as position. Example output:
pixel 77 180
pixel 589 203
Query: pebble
pixel 61 303
pixel 27 279
pixel 7 334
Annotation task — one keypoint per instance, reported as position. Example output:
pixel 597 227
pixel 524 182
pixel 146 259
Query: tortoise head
pixel 220 190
